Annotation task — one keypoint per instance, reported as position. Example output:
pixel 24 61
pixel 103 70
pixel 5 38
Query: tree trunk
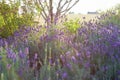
pixel 51 11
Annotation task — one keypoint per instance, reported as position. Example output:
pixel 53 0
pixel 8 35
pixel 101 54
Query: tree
pixel 52 10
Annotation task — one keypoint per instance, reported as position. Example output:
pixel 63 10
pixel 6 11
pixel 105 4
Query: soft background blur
pixel 93 5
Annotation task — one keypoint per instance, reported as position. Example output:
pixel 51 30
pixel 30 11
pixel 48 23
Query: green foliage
pixel 11 20
pixel 1 21
pixel 72 25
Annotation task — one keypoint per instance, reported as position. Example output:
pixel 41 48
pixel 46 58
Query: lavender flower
pixel 9 66
pixel 0 57
pixel 73 58
pixel 26 51
pixel 21 54
pixel 87 65
pixel 64 75
pixel 69 65
pixel 10 54
pixel 118 72
pixel 36 56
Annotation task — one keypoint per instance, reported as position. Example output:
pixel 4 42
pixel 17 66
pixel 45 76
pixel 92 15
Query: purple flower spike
pixel 87 65
pixel 105 68
pixel 0 57
pixel 26 50
pixel 78 54
pixel 118 72
pixel 69 65
pixel 64 75
pixel 36 56
pixel 13 57
pixel 88 54
pixel 21 54
pixel 67 53
pixel 10 54
pixel 8 66
pixel 73 58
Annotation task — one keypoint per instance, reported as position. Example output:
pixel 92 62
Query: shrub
pixel 91 53
pixel 11 20
pixel 72 25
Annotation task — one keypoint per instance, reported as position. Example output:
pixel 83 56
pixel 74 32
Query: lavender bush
pixel 53 53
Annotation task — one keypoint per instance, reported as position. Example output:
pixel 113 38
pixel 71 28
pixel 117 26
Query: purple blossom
pixel 88 54
pixel 20 72
pixel 9 66
pixel 67 53
pixel 116 44
pixel 69 65
pixel 1 42
pixel 64 75
pixel 78 54
pixel 118 72
pixel 11 54
pixel 87 65
pixel 26 51
pixel 105 68
pixel 21 54
pixel 73 58
pixel 14 56
pixel 51 61
pixel 36 56
pixel 0 57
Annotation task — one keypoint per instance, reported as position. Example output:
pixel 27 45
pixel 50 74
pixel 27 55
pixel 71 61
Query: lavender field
pixel 64 50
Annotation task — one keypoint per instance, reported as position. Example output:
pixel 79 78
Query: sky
pixel 85 6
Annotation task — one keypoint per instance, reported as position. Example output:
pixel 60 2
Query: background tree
pixel 52 10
